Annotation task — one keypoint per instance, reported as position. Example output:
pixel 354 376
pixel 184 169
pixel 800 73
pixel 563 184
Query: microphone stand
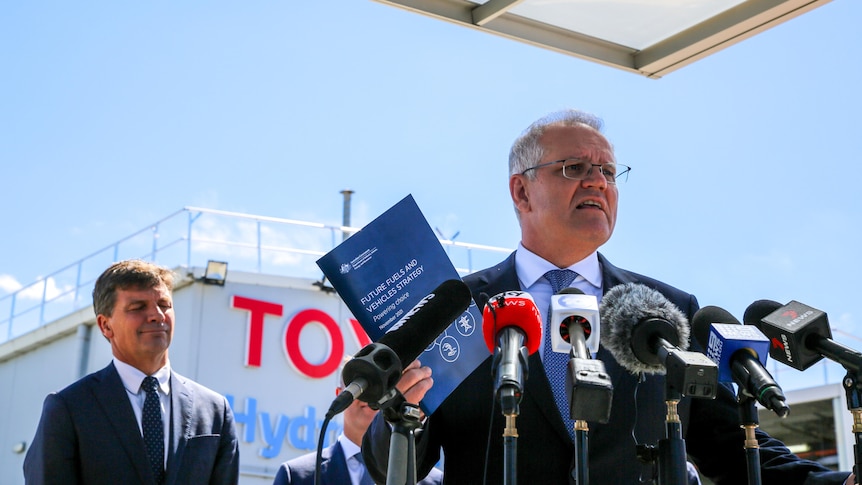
pixel 749 419
pixel 582 452
pixel 590 393
pixel 686 373
pixel 510 383
pixel 670 453
pixel 852 362
pixel 510 435
pixel 405 419
pixel 854 405
pixel 695 375
pixel 671 450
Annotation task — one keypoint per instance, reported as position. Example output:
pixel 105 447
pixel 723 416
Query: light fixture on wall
pixel 216 273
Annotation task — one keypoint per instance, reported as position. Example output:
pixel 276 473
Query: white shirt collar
pixel 133 378
pixel 530 267
pixel 350 448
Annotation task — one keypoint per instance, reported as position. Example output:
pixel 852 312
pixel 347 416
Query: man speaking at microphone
pixel 564 182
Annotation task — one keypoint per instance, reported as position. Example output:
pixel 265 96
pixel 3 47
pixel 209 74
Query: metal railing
pixel 188 238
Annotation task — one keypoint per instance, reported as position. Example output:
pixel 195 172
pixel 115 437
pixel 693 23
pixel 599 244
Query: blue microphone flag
pixel 725 339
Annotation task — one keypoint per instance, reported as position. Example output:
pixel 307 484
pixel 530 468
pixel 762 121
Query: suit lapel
pixel 613 276
pixel 333 468
pixel 182 404
pixel 109 392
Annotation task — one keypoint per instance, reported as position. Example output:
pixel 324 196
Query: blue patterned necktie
pixel 365 478
pixel 153 428
pixel 556 363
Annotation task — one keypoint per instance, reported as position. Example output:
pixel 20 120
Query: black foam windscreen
pixel 632 315
pixel 416 330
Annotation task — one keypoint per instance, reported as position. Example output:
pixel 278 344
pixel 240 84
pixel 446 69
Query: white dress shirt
pixel 132 379
pixel 354 467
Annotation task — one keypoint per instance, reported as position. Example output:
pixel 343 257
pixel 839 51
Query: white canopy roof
pixel 649 37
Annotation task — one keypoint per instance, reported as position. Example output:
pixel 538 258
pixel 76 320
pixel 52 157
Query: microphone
pixel 588 385
pixel 571 306
pixel 740 352
pixel 646 333
pixel 512 327
pixel 376 368
pixel 799 335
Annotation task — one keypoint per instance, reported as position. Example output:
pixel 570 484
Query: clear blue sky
pixel 116 114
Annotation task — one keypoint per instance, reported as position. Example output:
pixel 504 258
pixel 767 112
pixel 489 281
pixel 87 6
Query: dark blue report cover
pixel 383 270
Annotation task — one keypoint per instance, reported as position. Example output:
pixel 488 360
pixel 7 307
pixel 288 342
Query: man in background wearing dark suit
pixel 136 421
pixel 341 463
pixel 563 181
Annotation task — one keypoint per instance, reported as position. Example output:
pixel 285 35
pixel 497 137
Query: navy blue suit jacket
pixel 88 434
pixel 461 427
pixel 333 469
